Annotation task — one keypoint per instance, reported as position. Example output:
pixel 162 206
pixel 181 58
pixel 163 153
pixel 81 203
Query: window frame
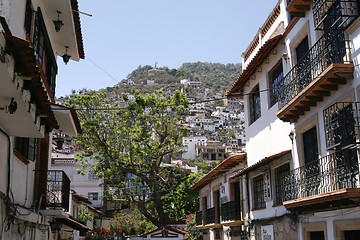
pixel 280 171
pixel 92 194
pixel 25 149
pixel 274 81
pixel 254 104
pixel 258 192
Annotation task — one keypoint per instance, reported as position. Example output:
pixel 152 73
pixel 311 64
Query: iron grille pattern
pixel 341 121
pixel 335 171
pixel 210 216
pixel 230 211
pixel 199 218
pixel 280 172
pixel 340 13
pixel 258 188
pixel 330 48
pixel 58 190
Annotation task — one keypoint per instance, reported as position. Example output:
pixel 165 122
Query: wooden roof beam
pixel 329 87
pixel 337 80
pixel 321 93
pixel 303 108
pixel 297 14
pixel 314 99
pixel 302 7
pixel 307 103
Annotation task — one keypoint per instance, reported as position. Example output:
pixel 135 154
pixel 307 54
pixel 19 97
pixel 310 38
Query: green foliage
pixel 183 200
pixel 192 232
pixel 218 76
pixel 132 221
pixel 231 133
pixel 128 143
pixel 84 214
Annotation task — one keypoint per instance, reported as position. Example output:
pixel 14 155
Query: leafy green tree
pixel 183 201
pixel 129 143
pixel 132 221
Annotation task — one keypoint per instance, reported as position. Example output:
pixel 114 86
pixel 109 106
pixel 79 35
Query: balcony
pixel 298 8
pixel 325 184
pixel 56 190
pixel 335 14
pixel 341 121
pixel 199 218
pixel 230 211
pixel 210 216
pixel 326 65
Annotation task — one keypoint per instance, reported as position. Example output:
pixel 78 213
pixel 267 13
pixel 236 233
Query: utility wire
pixel 196 102
pixel 103 70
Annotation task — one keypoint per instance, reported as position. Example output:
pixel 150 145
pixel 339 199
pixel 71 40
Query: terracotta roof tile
pixel 260 163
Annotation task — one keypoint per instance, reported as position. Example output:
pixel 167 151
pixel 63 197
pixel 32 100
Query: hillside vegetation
pixel 215 76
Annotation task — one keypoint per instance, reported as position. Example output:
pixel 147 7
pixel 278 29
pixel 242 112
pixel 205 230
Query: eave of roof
pixel 95 210
pixel 219 169
pixel 81 198
pixel 73 115
pixel 261 163
pixel 262 53
pixel 72 223
pixel 24 55
pixel 79 38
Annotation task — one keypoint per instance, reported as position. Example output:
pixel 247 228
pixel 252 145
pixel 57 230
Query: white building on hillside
pixel 190 144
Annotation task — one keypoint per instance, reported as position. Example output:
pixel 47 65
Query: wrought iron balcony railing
pixel 230 211
pixel 329 49
pixel 199 218
pixel 57 193
pixel 342 127
pixel 210 216
pixel 334 14
pixel 336 171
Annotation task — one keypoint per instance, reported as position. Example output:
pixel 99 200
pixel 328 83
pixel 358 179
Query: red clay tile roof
pixel 81 198
pixel 72 223
pixel 263 52
pixel 260 163
pixel 218 170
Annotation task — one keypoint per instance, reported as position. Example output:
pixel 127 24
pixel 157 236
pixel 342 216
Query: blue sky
pixel 123 34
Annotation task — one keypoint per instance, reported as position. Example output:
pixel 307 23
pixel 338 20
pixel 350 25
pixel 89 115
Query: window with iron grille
pixel 275 76
pixel 43 48
pixel 258 189
pixel 26 147
pixel 254 102
pixel 280 173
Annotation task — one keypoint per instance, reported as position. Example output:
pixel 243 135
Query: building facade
pixel 221 213
pixel 300 87
pixel 34 201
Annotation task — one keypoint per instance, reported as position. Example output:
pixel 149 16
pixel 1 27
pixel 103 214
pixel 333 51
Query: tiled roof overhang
pixel 256 62
pixel 218 170
pixel 79 38
pixel 81 198
pixel 72 223
pixel 260 163
pixel 95 210
pixel 25 64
